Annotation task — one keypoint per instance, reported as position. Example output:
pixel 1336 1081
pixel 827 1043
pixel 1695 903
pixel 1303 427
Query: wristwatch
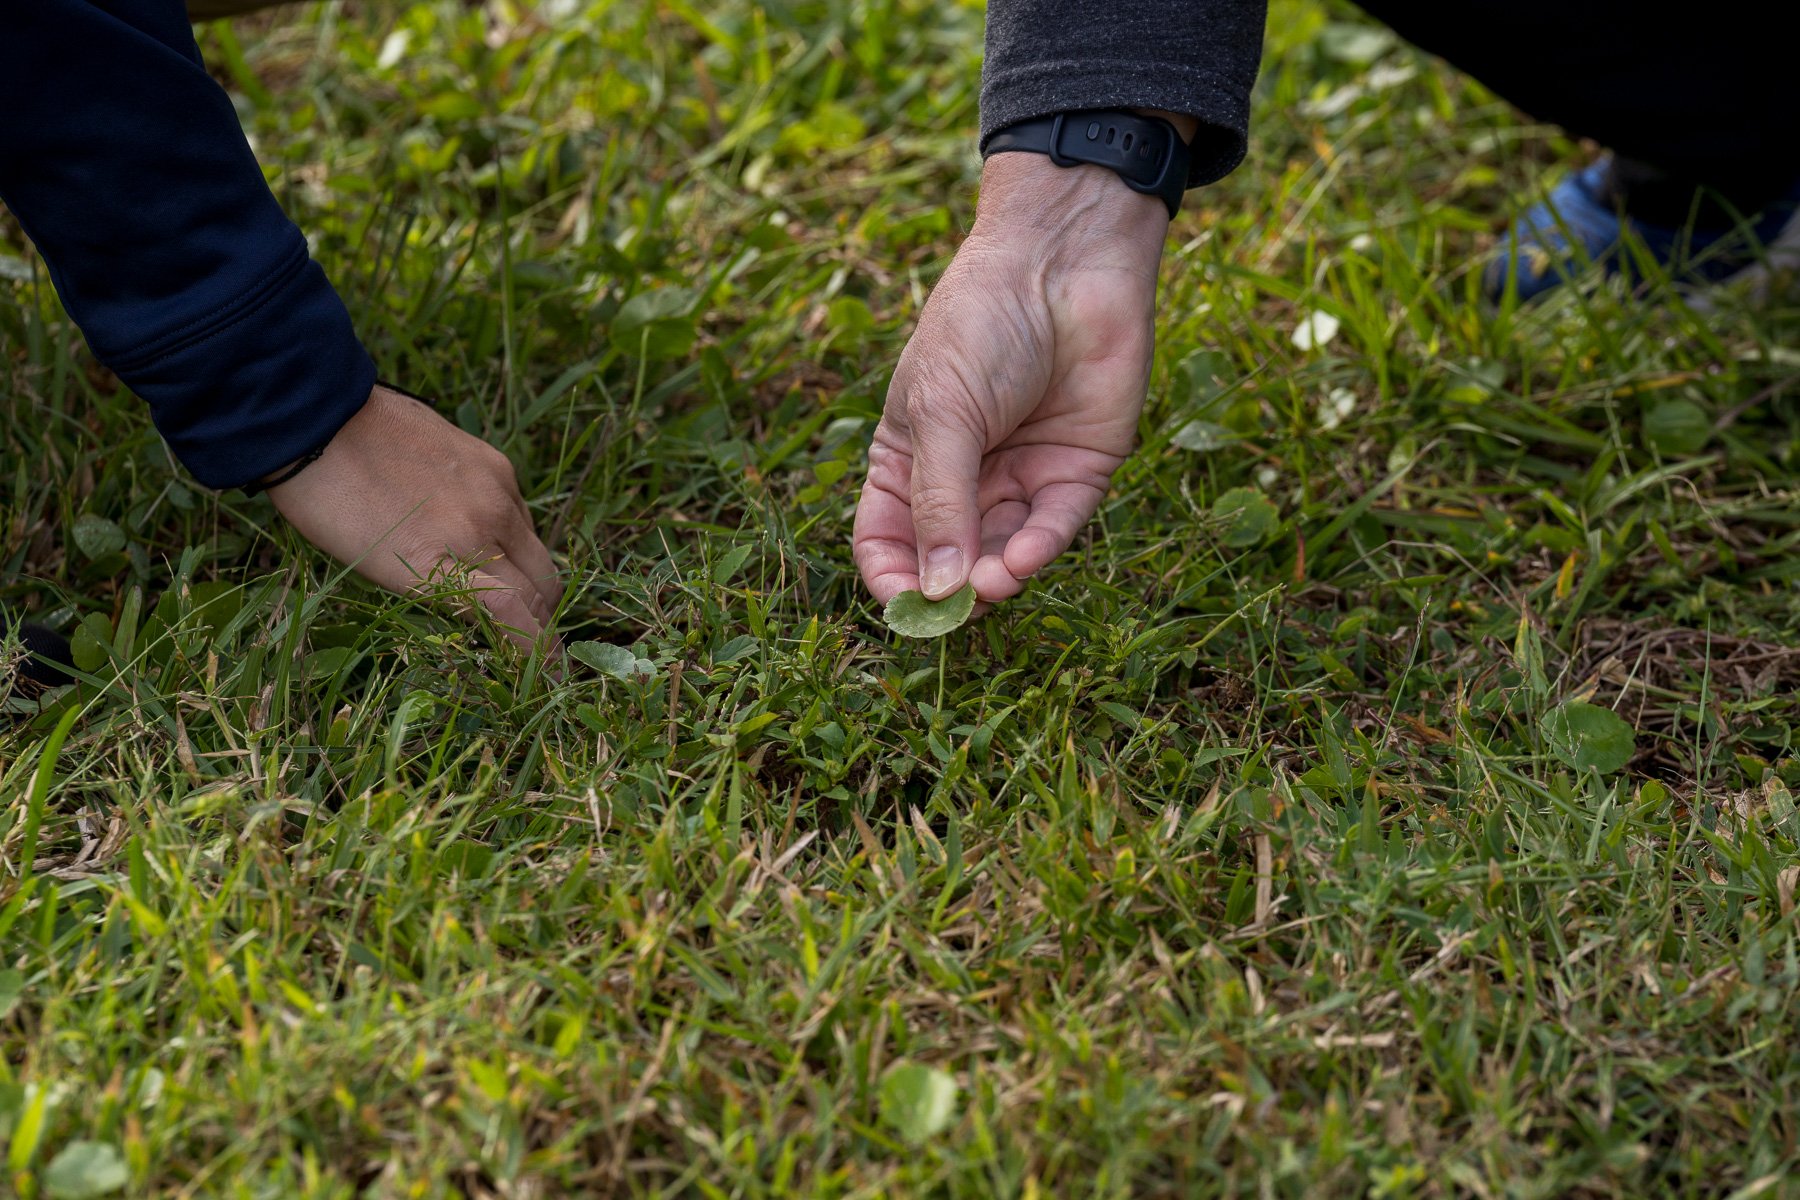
pixel 1146 152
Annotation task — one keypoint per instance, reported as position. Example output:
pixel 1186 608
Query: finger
pixel 502 590
pixel 883 536
pixel 538 572
pixel 509 573
pixel 532 557
pixel 1058 512
pixel 946 519
pixel 999 523
pixel 888 568
pixel 993 582
pixel 521 543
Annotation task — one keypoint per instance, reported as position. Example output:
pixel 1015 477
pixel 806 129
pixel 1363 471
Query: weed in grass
pixel 1272 844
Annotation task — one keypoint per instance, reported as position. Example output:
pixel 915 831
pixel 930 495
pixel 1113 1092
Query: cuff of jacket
pixel 258 383
pixel 1222 106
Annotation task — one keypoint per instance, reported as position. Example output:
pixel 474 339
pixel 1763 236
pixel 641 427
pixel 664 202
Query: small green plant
pixel 917 1101
pixel 910 614
pixel 1589 737
pixel 1247 854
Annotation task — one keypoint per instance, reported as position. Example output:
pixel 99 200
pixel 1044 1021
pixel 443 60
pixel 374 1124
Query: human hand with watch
pixel 1018 395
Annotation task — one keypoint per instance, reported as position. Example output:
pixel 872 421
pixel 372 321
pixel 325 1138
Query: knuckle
pixel 498 463
pixel 457 540
pixel 943 408
pixel 490 511
pixel 936 505
pixel 883 456
pixel 876 559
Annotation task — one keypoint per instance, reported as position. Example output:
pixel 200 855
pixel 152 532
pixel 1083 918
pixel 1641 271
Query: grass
pixel 1218 864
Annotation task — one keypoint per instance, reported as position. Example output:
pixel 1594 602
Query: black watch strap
pixel 1146 152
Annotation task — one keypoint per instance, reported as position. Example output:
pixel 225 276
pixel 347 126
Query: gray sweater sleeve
pixel 1189 56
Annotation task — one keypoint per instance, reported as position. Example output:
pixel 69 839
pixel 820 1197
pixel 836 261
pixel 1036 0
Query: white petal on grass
pixel 1336 406
pixel 1266 477
pixel 1390 75
pixel 1203 436
pixel 1314 330
pixel 393 49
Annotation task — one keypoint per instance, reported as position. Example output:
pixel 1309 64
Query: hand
pixel 1018 395
pixel 405 496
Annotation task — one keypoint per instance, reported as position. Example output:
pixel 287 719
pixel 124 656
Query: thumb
pixel 946 518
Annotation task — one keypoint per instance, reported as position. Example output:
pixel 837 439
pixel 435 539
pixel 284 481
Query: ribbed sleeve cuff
pixel 257 383
pixel 1043 88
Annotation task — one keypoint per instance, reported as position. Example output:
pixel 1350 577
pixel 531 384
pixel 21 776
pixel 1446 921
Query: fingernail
pixel 943 572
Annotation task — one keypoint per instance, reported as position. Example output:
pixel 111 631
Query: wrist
pixel 1185 126
pixel 1027 195
pixel 286 474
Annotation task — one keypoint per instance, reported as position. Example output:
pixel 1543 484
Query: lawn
pixel 1276 843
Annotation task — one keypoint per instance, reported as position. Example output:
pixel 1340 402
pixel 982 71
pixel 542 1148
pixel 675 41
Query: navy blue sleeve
pixel 1197 57
pixel 126 166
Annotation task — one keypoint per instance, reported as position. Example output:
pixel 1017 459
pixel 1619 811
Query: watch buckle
pixel 1056 154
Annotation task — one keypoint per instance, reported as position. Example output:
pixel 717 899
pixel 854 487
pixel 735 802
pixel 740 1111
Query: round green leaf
pixel 910 614
pixel 1198 377
pixel 661 341
pixel 917 1102
pixel 617 661
pixel 1248 518
pixel 211 604
pixel 329 662
pixel 659 324
pixel 1588 736
pixel 1676 427
pixel 660 304
pixel 89 643
pixel 86 1169
pixel 849 314
pixel 1202 436
pixel 96 536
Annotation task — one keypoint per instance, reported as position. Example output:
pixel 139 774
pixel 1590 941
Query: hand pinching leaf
pixel 910 614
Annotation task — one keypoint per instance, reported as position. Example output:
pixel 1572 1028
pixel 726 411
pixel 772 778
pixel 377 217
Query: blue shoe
pixel 1581 225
